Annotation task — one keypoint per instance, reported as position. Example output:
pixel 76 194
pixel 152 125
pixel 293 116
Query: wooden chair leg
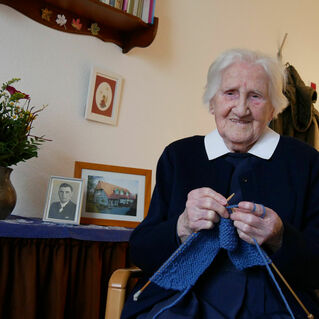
pixel 117 291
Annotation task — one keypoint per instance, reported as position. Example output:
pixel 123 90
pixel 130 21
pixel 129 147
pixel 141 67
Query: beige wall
pixel 163 84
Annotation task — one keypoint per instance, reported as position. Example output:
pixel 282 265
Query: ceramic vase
pixel 8 197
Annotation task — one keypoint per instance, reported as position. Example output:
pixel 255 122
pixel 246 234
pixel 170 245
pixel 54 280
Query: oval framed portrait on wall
pixel 104 96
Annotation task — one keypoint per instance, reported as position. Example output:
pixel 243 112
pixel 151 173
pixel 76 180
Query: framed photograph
pixel 114 195
pixel 64 200
pixel 103 96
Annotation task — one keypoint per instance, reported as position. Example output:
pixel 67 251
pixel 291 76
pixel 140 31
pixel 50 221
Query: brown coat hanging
pixel 299 119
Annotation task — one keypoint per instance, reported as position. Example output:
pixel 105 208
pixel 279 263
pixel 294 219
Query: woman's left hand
pixel 266 227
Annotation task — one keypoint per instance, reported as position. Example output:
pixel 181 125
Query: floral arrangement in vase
pixel 17 144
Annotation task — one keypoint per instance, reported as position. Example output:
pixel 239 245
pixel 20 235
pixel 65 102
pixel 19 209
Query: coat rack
pixel 279 53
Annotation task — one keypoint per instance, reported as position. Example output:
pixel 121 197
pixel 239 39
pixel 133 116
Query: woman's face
pixel 242 106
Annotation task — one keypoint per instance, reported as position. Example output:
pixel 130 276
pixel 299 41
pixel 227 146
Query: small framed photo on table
pixel 114 195
pixel 104 96
pixel 64 200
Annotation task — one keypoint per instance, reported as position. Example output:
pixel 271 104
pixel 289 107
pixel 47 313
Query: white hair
pixel 273 68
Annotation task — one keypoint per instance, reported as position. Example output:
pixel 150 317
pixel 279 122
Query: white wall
pixel 163 85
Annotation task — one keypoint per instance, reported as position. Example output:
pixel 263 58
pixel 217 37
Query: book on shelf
pixel 118 4
pixel 130 6
pixel 140 8
pixel 151 12
pixel 135 7
pixel 125 5
pixel 143 9
pixel 148 11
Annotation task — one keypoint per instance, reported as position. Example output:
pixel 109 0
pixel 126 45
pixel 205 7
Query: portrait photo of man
pixel 64 208
pixel 64 200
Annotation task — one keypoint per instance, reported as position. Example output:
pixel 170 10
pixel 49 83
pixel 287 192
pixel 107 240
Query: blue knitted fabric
pixel 194 256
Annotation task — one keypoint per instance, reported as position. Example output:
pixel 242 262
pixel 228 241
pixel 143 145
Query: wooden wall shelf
pixel 113 25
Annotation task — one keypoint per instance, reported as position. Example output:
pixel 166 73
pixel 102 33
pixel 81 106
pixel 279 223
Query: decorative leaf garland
pixel 61 21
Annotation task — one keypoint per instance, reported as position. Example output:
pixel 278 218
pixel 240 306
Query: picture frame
pixel 64 200
pixel 114 195
pixel 104 95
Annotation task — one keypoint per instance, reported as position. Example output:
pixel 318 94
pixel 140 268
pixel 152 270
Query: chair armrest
pixel 117 290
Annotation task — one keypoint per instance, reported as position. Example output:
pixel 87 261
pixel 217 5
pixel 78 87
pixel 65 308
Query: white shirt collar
pixel 64 204
pixel 264 147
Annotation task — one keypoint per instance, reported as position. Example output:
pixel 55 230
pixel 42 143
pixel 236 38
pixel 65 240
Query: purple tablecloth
pixel 23 227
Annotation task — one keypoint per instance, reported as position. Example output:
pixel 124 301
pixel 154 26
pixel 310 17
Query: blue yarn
pixel 193 257
pixel 181 270
pixel 229 207
pixel 172 304
pixel 264 211
pixel 269 261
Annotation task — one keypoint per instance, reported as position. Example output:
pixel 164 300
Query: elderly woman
pixel 276 184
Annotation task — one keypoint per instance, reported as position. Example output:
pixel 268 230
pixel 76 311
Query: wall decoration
pixel 76 24
pixel 46 14
pixel 94 29
pixel 103 96
pixel 114 195
pixel 61 20
pixel 64 200
pixel 112 25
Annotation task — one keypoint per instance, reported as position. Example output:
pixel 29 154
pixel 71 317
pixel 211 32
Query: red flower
pixel 26 96
pixel 12 91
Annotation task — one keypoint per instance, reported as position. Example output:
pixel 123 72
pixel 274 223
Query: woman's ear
pixel 211 106
pixel 271 116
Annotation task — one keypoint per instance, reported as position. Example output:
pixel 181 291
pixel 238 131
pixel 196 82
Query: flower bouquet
pixel 17 144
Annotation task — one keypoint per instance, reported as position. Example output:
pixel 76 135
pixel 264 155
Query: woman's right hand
pixel 203 210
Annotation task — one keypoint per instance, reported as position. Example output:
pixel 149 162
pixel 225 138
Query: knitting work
pixel 194 256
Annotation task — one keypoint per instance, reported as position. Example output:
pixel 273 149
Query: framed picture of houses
pixel 114 195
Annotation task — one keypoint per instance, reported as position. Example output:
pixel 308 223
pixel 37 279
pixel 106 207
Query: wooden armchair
pixel 120 283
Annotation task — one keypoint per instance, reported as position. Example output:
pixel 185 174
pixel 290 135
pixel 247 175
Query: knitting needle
pixel 309 315
pixel 137 294
pixel 230 197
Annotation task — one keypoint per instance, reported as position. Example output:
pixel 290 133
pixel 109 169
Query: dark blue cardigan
pixel 288 183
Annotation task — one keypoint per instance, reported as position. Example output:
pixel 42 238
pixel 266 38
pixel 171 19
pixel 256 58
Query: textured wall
pixel 163 83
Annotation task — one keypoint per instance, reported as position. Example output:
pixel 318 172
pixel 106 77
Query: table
pixel 53 271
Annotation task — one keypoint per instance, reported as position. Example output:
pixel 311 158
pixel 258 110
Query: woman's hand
pixel 267 229
pixel 203 209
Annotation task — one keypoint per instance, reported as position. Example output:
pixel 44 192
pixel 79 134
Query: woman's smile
pixel 238 121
